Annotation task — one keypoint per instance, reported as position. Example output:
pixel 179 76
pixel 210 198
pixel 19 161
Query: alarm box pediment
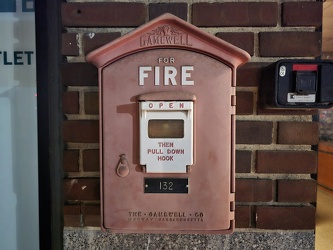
pixel 167 129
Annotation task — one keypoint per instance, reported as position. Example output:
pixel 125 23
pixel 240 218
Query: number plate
pixel 166 185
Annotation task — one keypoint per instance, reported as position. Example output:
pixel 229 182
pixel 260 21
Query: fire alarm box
pixel 297 84
pixel 167 129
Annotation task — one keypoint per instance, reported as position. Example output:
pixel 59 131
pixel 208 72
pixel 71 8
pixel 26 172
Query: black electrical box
pixel 297 84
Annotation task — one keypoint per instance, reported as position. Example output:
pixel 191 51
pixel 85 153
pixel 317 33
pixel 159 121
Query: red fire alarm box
pixel 167 129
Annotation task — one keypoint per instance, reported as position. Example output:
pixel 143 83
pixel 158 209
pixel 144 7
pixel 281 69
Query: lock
pixel 297 84
pixel 167 129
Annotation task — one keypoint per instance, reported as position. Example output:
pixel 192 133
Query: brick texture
pixel 298 133
pixel 287 162
pixel 103 14
pixel 290 43
pixel 93 40
pixel 69 44
pixel 297 190
pixel 243 216
pixel 91 105
pixel 79 74
pixel 235 14
pixel 243 161
pixel 302 14
pixel 92 215
pixel 70 102
pixel 91 160
pixel 254 190
pixel 249 74
pixel 71 160
pixel 81 189
pixel 80 131
pixel 253 132
pixel 72 215
pixel 291 218
pixel 243 40
pixel 177 9
pixel 244 102
pixel 285 112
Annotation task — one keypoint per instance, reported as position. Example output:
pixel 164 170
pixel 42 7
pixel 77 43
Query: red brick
pixel 243 40
pixel 297 190
pixel 103 14
pixel 70 102
pixel 235 14
pixel 285 218
pixel 92 215
pixel 249 74
pixel 91 160
pixel 72 216
pixel 286 162
pixel 303 133
pixel 243 216
pixel 92 41
pixel 91 105
pixel 254 190
pixel 244 104
pixel 302 14
pixel 80 131
pixel 254 132
pixel 262 111
pixel 69 44
pixel 79 74
pixel 177 9
pixel 243 161
pixel 71 160
pixel 81 189
pixel 292 43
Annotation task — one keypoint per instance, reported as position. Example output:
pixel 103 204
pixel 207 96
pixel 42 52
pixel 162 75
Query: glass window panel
pixel 166 128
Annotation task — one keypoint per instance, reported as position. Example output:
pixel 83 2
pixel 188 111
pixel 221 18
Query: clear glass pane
pixel 19 215
pixel 166 128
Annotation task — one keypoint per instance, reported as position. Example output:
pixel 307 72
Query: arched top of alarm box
pixel 168 31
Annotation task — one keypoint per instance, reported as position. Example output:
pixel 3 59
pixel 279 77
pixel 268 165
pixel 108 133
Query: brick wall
pixel 274 159
pixel 325 125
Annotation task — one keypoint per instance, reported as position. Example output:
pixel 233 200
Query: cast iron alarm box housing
pixel 297 84
pixel 167 129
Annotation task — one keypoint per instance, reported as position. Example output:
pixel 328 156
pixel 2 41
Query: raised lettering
pixel 175 151
pixel 165 144
pixel 165 158
pixel 170 73
pixel 186 74
pixel 157 76
pixel 143 74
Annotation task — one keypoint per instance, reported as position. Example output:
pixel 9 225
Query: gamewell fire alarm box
pixel 167 129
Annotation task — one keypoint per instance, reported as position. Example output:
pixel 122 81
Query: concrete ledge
pixel 93 238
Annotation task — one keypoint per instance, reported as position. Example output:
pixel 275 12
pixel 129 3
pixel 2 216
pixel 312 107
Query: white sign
pixel 294 97
pixel 166 136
